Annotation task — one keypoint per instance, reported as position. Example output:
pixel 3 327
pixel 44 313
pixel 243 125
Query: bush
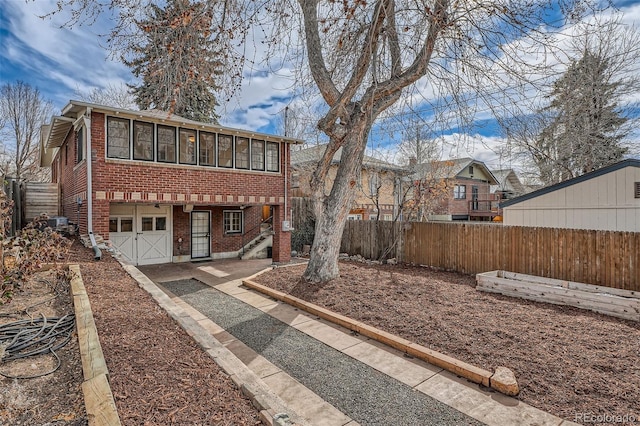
pixel 25 253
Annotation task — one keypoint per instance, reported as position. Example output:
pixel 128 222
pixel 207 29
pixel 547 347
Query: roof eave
pixel 588 176
pixel 73 107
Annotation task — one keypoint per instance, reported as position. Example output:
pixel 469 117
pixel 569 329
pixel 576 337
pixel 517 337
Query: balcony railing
pixel 483 207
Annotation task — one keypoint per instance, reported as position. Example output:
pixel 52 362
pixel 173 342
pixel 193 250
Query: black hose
pixel 25 338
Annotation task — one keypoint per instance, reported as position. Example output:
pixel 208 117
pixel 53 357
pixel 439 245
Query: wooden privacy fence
pixel 605 258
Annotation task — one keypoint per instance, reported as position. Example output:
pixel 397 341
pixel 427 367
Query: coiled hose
pixel 25 338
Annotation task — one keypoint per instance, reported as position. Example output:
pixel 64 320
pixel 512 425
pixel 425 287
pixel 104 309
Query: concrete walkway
pixel 315 371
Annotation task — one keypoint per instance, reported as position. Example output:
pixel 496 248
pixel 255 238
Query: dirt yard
pixel 569 362
pixel 55 398
pixel 158 375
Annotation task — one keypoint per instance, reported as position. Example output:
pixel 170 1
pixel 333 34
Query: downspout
pixel 286 178
pixel 286 170
pixel 94 245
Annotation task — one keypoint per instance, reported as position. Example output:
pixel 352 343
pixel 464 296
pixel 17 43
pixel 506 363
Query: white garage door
pixel 142 233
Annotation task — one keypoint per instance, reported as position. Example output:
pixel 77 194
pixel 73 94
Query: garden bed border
pixel 619 303
pixel 505 384
pixel 98 398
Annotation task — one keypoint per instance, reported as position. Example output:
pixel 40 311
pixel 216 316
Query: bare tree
pixel 118 96
pixel 24 111
pixel 364 57
pixel 589 113
pixel 431 189
pixel 417 145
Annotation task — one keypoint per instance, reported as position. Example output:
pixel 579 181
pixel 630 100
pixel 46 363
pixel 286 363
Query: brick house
pixel 467 182
pixel 162 188
pixel 378 186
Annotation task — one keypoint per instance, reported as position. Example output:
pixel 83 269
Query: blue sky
pixel 60 62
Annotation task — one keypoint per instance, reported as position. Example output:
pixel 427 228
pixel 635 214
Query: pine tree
pixel 584 130
pixel 178 63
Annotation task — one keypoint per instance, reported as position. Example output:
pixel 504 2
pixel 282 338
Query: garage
pixel 141 232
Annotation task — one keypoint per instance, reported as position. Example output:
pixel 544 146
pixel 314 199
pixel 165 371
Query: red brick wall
pixel 461 207
pixel 281 240
pixel 149 182
pixel 140 176
pixel 73 181
pixel 220 243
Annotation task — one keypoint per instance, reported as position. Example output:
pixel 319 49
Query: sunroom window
pixel 273 157
pixel 142 141
pixel 207 149
pixel 242 153
pixel 166 144
pixel 117 138
pixel 187 146
pixel 257 154
pixel 225 150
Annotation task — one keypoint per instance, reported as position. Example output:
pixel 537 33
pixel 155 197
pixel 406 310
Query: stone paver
pixel 301 399
pixel 460 395
pixel 392 363
pixel 328 334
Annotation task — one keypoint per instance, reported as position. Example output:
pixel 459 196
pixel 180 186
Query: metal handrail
pixel 252 229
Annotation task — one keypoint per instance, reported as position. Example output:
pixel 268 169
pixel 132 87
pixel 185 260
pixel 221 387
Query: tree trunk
pixel 332 211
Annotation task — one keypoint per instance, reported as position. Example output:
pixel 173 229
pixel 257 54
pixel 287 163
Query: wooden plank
pixel 635 268
pixel 513 276
pixel 605 308
pixel 599 258
pixel 567 294
pixel 626 261
pixel 617 258
pixel 98 399
pixel 626 307
pixel 93 363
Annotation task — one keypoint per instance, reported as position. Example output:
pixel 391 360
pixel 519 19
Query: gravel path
pixel 361 392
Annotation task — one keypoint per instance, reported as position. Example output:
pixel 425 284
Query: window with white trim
pixel 80 145
pixel 232 221
pixel 460 192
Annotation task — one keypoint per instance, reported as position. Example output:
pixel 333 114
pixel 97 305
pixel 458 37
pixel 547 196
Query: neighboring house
pixel 163 188
pixel 509 185
pixel 379 184
pixel 467 182
pixel 605 199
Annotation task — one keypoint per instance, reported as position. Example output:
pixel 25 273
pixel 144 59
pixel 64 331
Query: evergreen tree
pixel 583 133
pixel 178 63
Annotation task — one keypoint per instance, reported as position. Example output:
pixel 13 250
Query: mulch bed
pixel 569 362
pixel 158 375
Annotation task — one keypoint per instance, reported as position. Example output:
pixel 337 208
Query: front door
pixel 200 235
pixel 474 198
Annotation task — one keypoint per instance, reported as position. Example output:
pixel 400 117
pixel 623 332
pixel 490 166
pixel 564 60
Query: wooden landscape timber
pixel 610 301
pixel 98 399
